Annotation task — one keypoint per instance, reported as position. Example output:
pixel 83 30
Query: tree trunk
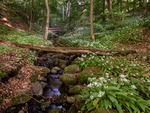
pixel 63 10
pixel 144 8
pixel 31 13
pixel 109 2
pixel 69 10
pixel 47 21
pixel 91 20
pixel 104 10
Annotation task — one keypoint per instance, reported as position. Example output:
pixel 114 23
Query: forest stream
pixel 53 91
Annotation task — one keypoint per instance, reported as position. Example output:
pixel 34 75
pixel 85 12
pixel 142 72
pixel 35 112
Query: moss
pixel 75 61
pixel 62 63
pixel 56 110
pixel 45 70
pixel 72 69
pixel 76 107
pixel 19 99
pixel 1 100
pixel 68 79
pixel 3 74
pixel 33 78
pixel 36 71
pixel 86 73
pixel 75 90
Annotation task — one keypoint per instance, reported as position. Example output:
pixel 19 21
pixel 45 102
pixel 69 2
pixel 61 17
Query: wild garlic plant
pixel 115 93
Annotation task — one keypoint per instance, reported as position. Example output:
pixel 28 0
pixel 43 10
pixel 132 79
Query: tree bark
pixel 104 18
pixel 109 2
pixel 31 13
pixel 63 10
pixel 47 21
pixel 71 49
pixel 91 20
pixel 144 8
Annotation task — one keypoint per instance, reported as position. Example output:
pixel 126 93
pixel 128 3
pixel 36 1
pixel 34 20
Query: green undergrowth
pixel 107 34
pixel 15 59
pixel 22 37
pixel 24 56
pixel 119 84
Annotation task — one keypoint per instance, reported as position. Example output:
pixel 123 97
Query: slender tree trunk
pixel 69 10
pixel 104 10
pixel 109 2
pixel 47 21
pixel 31 13
pixel 63 10
pixel 91 20
pixel 144 8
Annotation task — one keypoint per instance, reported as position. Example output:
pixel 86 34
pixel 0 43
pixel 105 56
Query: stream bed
pixel 53 91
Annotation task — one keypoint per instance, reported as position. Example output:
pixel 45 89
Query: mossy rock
pixel 62 63
pixel 55 61
pixel 71 99
pixel 75 89
pixel 75 61
pixel 21 99
pixel 56 110
pixel 72 69
pixel 68 79
pixel 3 74
pixel 44 71
pixel 86 73
pixel 103 110
pixel 33 78
pixel 1 100
pixel 76 107
pixel 36 71
pixel 45 105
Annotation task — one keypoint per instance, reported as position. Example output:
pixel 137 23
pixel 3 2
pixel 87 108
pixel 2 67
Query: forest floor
pixel 10 60
pixel 13 58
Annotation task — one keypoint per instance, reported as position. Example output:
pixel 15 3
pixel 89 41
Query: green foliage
pixel 115 93
pixel 113 65
pixel 5 49
pixel 22 37
pixel 146 22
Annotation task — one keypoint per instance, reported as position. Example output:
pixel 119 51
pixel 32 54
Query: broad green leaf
pixel 134 108
pixel 112 88
pixel 83 108
pixel 112 93
pixel 121 93
pixel 119 108
pixel 126 103
pixel 95 94
pixel 91 108
pixel 142 106
pixel 107 104
pixel 112 99
pixel 128 108
pixel 95 102
pixel 85 91
pixel 87 101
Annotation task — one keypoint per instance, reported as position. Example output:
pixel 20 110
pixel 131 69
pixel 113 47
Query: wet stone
pixel 55 70
pixel 71 100
pixel 68 79
pixel 37 89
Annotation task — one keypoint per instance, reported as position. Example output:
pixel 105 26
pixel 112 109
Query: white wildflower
pixel 101 93
pixel 91 97
pixel 133 86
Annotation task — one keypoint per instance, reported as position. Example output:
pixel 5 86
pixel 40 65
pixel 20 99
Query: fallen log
pixel 73 49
